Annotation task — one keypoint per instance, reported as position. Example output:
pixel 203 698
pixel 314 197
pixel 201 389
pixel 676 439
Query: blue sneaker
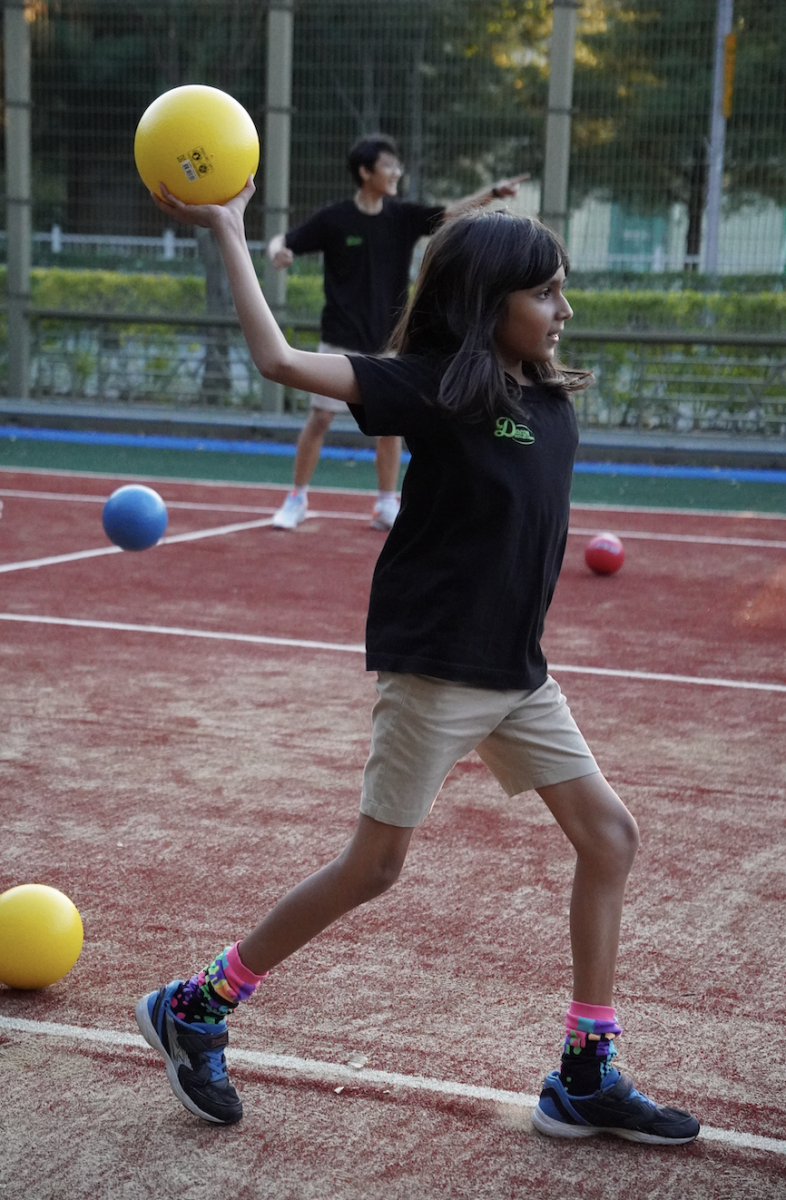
pixel 194 1057
pixel 615 1108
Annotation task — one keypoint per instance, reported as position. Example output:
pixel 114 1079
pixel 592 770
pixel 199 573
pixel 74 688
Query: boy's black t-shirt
pixel 467 573
pixel 366 266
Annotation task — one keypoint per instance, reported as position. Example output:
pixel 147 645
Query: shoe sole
pixel 148 1031
pixel 551 1128
pixel 381 526
pixel 287 527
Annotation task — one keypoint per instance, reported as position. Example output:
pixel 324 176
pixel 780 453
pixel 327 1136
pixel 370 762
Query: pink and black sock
pixel 210 996
pixel 588 1052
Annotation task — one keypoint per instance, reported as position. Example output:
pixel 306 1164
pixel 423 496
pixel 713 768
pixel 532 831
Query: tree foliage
pixel 643 95
pixel 461 83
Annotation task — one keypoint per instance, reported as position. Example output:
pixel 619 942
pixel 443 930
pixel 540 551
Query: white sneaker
pixel 291 513
pixel 385 513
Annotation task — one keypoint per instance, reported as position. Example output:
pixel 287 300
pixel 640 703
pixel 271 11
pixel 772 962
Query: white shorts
pixel 327 402
pixel 423 726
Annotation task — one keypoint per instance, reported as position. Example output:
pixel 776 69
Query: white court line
pixel 173 631
pixel 243 484
pixel 195 536
pixel 186 505
pixel 87 498
pixel 733 513
pixel 247 485
pixel 690 538
pixel 657 677
pixel 315 1069
pixel 30 564
pixel 356 648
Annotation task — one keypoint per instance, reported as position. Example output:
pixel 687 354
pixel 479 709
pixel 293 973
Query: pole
pixel 278 121
pixel 717 145
pixel 18 194
pixel 554 201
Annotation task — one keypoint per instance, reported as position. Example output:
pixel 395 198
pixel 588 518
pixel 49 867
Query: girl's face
pixel 530 325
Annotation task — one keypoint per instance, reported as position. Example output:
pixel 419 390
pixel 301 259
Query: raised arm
pixel 498 191
pixel 327 374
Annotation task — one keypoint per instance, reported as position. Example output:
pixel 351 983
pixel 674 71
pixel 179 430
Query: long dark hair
pixel 470 267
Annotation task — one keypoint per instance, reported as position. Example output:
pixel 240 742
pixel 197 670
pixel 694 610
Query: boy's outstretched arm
pixel 500 190
pixel 327 374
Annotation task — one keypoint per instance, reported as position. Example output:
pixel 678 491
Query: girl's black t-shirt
pixel 467 573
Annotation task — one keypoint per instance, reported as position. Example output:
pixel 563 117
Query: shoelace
pixel 635 1094
pixel 216 1064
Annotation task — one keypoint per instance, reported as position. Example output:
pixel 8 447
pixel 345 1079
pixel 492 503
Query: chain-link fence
pixel 463 85
pixel 642 156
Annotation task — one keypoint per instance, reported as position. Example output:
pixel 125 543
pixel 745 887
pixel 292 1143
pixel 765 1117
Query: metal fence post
pixel 554 203
pixel 18 196
pixel 278 120
pixel 717 144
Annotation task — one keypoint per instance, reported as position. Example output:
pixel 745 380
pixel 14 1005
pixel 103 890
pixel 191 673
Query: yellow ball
pixel 199 142
pixel 40 936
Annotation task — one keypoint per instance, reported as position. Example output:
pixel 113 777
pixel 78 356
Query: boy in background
pixel 367 243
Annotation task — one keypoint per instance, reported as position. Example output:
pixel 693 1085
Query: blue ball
pixel 134 517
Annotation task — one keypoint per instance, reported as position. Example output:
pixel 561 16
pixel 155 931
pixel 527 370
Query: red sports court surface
pixel 184 732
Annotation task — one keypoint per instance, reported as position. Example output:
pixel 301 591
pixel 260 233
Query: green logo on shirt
pixel 506 427
pixel 354 240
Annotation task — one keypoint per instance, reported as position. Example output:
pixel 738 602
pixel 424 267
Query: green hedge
pixel 631 309
pixel 111 291
pixel 702 312
pixel 115 291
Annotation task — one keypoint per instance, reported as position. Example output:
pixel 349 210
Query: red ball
pixel 604 554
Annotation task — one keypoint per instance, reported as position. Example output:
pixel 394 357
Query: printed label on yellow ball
pixel 195 165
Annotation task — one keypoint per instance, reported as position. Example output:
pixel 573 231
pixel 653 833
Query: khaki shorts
pixel 327 402
pixel 423 726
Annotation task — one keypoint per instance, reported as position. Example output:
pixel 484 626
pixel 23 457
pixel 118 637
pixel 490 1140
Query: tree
pixel 755 146
pixel 461 84
pixel 643 92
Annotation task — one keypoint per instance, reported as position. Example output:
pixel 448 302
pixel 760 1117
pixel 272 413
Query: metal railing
pixel 165 248
pixel 664 381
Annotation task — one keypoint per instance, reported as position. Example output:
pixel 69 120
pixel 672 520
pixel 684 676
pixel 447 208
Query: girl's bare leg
pixel 368 866
pixel 605 838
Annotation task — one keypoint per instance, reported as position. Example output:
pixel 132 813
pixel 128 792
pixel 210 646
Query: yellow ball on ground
pixel 40 936
pixel 199 142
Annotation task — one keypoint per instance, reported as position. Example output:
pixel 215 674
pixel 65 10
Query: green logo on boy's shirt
pixel 354 240
pixel 506 427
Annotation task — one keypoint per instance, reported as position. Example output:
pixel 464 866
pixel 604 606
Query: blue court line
pixel 360 454
pixel 677 471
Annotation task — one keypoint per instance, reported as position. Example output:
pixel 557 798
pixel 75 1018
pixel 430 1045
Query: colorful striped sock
pixel 588 1052
pixel 211 995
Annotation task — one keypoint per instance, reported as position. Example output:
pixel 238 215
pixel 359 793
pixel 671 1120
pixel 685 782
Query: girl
pixel 456 615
